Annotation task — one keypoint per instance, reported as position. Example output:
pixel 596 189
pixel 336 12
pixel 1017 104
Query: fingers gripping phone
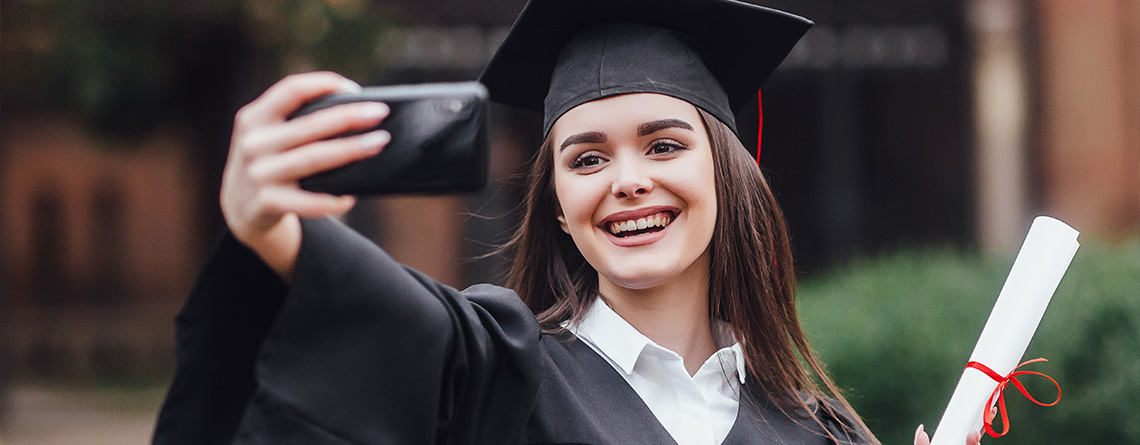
pixel 438 145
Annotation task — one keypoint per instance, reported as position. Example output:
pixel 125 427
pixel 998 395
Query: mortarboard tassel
pixel 759 125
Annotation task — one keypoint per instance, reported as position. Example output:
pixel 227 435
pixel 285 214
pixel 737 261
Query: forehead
pixel 623 113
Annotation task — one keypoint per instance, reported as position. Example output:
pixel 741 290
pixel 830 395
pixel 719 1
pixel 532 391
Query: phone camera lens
pixel 455 105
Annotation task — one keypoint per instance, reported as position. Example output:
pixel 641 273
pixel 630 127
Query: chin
pixel 637 282
pixel 641 278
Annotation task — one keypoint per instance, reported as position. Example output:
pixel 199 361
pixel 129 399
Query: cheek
pixel 710 186
pixel 703 191
pixel 575 199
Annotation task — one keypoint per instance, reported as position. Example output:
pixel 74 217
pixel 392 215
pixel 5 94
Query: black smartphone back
pixel 439 142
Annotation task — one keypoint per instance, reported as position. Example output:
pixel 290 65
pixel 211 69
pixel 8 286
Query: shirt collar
pixel 723 336
pixel 623 343
pixel 612 335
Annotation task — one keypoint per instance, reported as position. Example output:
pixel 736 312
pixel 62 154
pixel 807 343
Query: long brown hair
pixel 752 286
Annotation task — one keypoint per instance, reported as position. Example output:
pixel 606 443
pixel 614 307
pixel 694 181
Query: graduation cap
pixel 714 54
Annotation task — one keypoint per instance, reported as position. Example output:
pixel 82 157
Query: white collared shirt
pixel 694 410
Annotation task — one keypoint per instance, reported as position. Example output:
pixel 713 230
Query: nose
pixel 630 179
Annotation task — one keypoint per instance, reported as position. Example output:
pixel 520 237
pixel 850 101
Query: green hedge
pixel 896 331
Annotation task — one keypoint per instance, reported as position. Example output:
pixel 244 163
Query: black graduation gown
pixel 361 349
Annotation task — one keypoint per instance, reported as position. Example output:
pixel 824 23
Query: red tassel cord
pixel 759 124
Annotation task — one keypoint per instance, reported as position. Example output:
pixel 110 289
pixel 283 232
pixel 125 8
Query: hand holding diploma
pixel 1048 249
pixel 920 437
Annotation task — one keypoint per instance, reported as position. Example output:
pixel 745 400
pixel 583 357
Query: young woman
pixel 651 250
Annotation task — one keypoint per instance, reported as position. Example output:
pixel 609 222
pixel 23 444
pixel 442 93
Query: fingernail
pixel 349 86
pixel 918 432
pixel 375 140
pixel 374 110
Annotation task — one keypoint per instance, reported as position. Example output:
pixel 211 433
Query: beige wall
pixel 424 233
pixel 1090 122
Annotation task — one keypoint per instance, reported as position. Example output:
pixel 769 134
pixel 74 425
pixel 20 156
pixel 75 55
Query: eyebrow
pixel 649 128
pixel 590 137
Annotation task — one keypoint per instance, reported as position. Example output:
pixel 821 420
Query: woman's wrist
pixel 279 246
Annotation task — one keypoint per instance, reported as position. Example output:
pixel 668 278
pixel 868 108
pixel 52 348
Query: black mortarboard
pixel 714 54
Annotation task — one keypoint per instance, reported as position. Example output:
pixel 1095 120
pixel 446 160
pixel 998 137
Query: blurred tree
pixel 125 67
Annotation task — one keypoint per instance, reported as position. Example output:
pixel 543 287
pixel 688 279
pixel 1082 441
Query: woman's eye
pixel 585 161
pixel 663 147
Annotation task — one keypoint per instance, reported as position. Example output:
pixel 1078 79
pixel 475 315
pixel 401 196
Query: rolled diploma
pixel 1048 249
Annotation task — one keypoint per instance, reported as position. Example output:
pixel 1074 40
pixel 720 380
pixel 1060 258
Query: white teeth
pixel 657 220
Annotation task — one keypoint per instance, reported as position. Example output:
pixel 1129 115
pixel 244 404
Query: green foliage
pixel 122 66
pixel 102 62
pixel 896 332
pixel 303 35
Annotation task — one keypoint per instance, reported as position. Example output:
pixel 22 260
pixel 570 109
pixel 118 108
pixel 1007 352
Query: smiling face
pixel 633 175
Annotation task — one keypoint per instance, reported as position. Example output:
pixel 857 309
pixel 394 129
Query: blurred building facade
pixel 97 245
pixel 894 123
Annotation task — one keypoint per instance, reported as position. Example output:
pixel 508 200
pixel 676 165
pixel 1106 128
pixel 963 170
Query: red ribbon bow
pixel 999 392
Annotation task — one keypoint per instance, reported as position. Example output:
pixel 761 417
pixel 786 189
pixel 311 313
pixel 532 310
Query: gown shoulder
pixel 359 349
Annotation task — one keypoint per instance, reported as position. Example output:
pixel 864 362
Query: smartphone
pixel 439 142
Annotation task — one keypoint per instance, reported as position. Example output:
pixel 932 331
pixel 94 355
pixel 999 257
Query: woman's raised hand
pixel 261 200
pixel 920 437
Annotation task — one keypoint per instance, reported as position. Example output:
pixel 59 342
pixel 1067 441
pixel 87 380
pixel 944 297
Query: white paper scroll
pixel 1049 248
